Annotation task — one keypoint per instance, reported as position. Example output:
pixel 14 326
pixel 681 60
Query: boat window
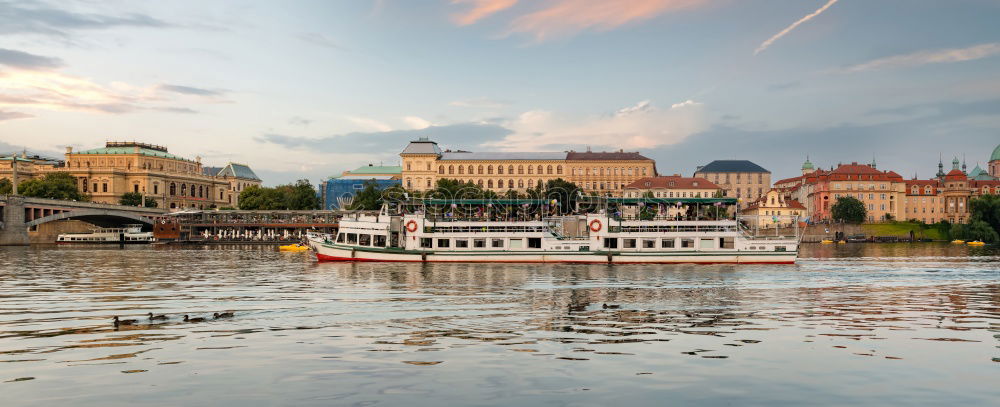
pixel 497 243
pixel 479 243
pixel 780 248
pixel 444 243
pixel 534 243
pixel 426 242
pixel 463 243
pixel 687 243
pixel 584 248
pixel 516 243
pixel 667 243
pixel 365 240
pixel 727 242
pixel 628 243
pixel 340 238
pixel 379 241
pixel 648 243
pixel 611 243
pixel 352 238
pixel 706 243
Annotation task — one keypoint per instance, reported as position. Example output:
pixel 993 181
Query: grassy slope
pixel 902 229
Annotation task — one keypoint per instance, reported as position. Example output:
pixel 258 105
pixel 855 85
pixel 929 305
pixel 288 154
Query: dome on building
pixel 996 154
pixel 807 165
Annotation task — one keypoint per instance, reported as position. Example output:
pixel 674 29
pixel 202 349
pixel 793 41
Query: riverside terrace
pixel 245 226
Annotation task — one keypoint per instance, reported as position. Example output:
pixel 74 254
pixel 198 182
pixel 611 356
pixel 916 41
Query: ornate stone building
pixel 424 163
pixel 947 196
pixel 105 174
pixel 741 179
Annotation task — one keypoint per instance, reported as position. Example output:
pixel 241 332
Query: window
pixel 352 238
pixel 444 243
pixel 706 243
pixel 516 243
pixel 461 170
pixel 379 241
pixel 534 243
pixel 667 243
pixel 425 242
pixel 104 187
pixel 611 243
pixel 520 169
pixel 480 170
pixel 531 170
pixel 135 188
pixel 628 243
pixel 648 243
pixel 558 169
pixel 497 243
pixel 462 243
pixel 479 243
pixel 440 169
pixel 687 243
pixel 340 238
pixel 365 240
pixel 489 169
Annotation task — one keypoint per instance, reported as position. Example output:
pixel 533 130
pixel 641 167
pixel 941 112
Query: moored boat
pixel 130 234
pixel 622 230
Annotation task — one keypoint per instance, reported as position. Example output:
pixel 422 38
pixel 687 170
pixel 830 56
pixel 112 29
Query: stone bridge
pixel 18 214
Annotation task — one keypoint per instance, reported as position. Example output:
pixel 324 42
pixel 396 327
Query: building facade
pixel 604 173
pixel 947 196
pixel 105 174
pixel 339 192
pixel 674 186
pixel 741 179
pixel 774 209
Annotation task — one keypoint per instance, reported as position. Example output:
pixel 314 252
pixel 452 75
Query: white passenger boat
pixel 130 234
pixel 605 236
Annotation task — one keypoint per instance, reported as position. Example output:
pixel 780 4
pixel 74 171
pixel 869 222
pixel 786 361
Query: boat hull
pixel 328 252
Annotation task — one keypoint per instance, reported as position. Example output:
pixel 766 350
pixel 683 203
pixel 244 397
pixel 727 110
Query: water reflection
pixel 909 317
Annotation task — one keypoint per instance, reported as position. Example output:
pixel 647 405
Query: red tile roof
pixel 606 156
pixel 955 175
pixel 678 183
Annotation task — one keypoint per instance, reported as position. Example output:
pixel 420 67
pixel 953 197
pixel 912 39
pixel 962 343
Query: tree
pixel 297 196
pixel 369 199
pixel 6 186
pixel 135 198
pixel 300 196
pixel 565 192
pixel 849 209
pixel 58 185
pixel 976 230
pixel 987 209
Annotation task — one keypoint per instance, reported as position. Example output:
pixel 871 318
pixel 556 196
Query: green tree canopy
pixel 849 209
pixel 57 185
pixel 986 208
pixel 369 199
pixel 136 199
pixel 297 196
pixel 6 186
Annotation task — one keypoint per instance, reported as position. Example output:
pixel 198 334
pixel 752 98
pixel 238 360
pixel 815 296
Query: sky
pixel 308 89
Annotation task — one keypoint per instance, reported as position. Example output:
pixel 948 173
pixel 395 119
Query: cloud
pixel 24 60
pixel 390 143
pixel 299 121
pixel 482 102
pixel 175 109
pixel 31 17
pixel 763 46
pixel 9 115
pixel 416 122
pixel 369 124
pixel 480 9
pixel 561 18
pixel 190 90
pixel 639 126
pixel 927 57
pixel 321 40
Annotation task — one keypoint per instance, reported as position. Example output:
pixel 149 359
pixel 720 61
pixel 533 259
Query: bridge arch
pixel 100 217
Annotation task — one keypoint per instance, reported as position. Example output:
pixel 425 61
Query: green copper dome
pixel 807 165
pixel 996 154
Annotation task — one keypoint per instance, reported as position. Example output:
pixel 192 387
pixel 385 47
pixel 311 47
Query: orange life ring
pixel 411 226
pixel 595 225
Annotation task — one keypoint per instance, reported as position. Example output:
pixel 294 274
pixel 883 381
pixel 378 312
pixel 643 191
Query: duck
pixel 222 315
pixel 158 317
pixel 118 322
pixel 198 319
pixel 606 306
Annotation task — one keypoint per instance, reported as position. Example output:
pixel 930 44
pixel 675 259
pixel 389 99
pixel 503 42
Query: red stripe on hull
pixel 323 257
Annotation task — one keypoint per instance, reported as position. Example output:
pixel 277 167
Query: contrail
pixel 789 29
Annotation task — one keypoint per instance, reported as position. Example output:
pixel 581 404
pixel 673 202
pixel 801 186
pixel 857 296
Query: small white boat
pixel 522 238
pixel 130 234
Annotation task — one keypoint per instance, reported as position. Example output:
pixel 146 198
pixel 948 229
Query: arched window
pixel 530 170
pixel 520 183
pixel 539 183
pixel 451 169
pixel 428 166
pixel 184 189
pixel 409 183
pixel 409 166
pixel 540 169
pixel 520 169
pixel 428 182
pixel 500 169
pixel 480 183
pixel 173 189
pixel 510 169
pixel 927 190
pixel 461 170
pixel 480 170
pixel 510 183
pixel 489 169
pixel 472 170
pixel 489 184
pixel 558 169
pixel 441 169
pixel 548 170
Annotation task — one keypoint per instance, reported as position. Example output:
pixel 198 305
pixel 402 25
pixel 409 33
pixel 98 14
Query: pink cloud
pixel 480 10
pixel 560 18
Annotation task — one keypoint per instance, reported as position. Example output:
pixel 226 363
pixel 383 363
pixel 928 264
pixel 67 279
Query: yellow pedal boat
pixel 958 241
pixel 975 243
pixel 826 241
pixel 293 248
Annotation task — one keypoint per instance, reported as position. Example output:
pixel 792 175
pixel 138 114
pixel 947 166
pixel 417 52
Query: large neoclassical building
pixel 596 172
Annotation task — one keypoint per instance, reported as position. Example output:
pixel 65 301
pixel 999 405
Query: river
pixel 865 324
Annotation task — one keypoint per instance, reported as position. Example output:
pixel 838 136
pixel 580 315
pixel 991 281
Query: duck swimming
pixel 118 322
pixel 158 317
pixel 223 315
pixel 199 319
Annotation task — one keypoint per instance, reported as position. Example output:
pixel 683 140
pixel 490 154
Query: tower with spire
pixel 940 173
pixel 807 167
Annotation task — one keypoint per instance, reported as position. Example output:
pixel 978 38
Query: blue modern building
pixel 339 192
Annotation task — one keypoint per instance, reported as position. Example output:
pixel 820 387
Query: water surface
pixel 854 324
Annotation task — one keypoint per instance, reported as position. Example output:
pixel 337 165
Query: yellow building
pixel 674 186
pixel 21 167
pixel 423 163
pixel 773 209
pixel 741 179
